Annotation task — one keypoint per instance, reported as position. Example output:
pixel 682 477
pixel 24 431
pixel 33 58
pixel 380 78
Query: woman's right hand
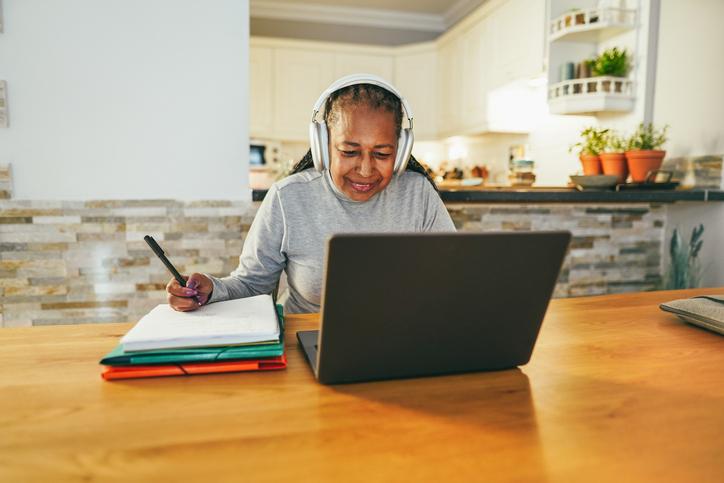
pixel 196 293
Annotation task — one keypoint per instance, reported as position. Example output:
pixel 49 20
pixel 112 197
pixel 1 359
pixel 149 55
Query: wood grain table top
pixel 617 390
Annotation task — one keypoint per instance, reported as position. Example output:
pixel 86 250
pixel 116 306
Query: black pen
pixel 159 252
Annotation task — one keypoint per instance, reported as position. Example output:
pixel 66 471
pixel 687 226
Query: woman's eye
pixel 382 155
pixel 349 154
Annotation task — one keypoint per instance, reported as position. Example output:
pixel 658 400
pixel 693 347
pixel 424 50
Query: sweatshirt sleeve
pixel 262 256
pixel 437 217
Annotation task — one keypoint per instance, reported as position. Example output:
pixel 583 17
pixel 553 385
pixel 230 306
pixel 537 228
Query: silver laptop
pixel 421 304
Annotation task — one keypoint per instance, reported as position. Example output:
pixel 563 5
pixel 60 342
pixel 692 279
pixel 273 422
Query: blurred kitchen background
pixel 173 117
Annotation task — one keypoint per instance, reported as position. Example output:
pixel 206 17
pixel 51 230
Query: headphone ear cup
pixel 318 145
pixel 314 145
pixel 324 145
pixel 404 150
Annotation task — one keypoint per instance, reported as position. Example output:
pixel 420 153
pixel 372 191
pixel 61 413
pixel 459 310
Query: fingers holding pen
pixel 182 304
pixel 182 298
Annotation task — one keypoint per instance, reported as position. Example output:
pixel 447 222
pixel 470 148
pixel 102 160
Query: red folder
pixel 132 372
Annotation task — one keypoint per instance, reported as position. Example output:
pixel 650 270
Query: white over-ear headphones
pixel 318 136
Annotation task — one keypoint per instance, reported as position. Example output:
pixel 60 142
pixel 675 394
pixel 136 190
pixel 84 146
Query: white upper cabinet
pixel 300 76
pixel 353 63
pixel 416 78
pixel 447 82
pixel 475 70
pixel 261 94
pixel 519 36
pixel 288 76
pixel 449 95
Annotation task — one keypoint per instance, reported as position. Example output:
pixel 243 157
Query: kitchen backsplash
pixel 74 262
pixel 6 182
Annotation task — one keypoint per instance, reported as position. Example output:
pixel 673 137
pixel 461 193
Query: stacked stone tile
pixel 707 170
pixel 84 262
pixel 81 262
pixel 615 248
pixel 5 182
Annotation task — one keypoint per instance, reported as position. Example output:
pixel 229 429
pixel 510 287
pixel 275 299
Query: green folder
pixel 119 357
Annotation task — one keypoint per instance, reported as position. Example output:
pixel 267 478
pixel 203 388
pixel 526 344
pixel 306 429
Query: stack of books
pixel 236 335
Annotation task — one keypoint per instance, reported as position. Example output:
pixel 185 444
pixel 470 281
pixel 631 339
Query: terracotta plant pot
pixel 591 164
pixel 641 162
pixel 615 164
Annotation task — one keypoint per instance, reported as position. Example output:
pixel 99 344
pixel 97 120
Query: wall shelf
pixel 592 94
pixel 592 25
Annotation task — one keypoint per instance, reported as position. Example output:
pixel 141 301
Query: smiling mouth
pixel 362 187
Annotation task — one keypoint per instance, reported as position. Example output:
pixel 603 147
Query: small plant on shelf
pixel 612 62
pixel 592 144
pixel 643 152
pixel 684 269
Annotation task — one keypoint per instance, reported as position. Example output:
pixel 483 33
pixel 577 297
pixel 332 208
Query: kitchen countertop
pixel 485 194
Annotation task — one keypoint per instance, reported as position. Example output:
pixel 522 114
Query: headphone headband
pixel 354 79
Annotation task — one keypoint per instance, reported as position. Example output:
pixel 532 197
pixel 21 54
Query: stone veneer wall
pixel 615 248
pixel 705 171
pixel 6 189
pixel 82 262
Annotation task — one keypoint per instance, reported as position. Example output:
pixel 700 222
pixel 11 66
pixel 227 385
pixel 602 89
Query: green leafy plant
pixel 593 142
pixel 647 138
pixel 612 62
pixel 685 268
pixel 613 143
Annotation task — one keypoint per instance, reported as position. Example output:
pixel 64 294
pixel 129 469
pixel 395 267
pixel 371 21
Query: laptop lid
pixel 403 305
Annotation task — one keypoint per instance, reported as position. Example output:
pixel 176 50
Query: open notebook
pixel 249 320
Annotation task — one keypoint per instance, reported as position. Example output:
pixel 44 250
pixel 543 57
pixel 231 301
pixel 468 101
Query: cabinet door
pixel 299 78
pixel 416 78
pixel 518 34
pixel 349 63
pixel 260 91
pixel 450 83
pixel 475 67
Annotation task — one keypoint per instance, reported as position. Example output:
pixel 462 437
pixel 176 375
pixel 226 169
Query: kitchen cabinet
pixel 300 76
pixel 517 41
pixel 354 63
pixel 416 78
pixel 261 95
pixel 288 76
pixel 449 94
pixel 447 82
pixel 475 72
pixel 500 43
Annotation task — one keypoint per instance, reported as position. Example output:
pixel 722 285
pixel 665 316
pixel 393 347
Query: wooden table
pixel 616 391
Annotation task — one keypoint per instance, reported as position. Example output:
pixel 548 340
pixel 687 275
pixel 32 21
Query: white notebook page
pixel 239 321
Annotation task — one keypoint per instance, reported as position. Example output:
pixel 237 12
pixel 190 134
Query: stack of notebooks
pixel 236 335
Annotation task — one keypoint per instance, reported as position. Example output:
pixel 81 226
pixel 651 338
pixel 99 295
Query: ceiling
pixel 377 22
pixel 420 6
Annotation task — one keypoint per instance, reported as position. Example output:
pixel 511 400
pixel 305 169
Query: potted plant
pixel 643 153
pixel 685 267
pixel 613 160
pixel 589 148
pixel 612 62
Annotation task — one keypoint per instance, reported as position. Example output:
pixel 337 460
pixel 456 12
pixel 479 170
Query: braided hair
pixel 372 96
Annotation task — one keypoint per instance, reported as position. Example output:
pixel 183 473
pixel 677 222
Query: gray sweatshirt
pixel 297 216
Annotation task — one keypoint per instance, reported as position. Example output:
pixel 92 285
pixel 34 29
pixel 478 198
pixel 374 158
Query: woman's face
pixel 362 149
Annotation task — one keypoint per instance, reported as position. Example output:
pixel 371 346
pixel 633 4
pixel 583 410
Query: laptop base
pixel 308 341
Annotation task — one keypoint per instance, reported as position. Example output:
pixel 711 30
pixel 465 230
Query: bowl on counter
pixel 594 182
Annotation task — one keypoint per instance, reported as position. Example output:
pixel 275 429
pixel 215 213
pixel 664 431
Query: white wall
pixel 690 98
pixel 126 99
pixel 690 76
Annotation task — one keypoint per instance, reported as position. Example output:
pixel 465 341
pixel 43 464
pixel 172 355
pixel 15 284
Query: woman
pixel 347 183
